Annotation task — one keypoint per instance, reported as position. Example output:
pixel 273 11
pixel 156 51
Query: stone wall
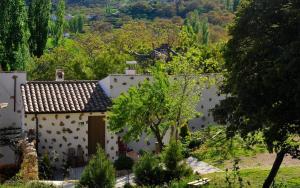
pixel 115 84
pixel 59 132
pixel 29 167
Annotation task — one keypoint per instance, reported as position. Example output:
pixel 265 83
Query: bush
pixel 18 183
pixel 128 185
pixel 173 160
pixel 184 131
pixel 148 171
pixel 123 163
pixel 35 184
pixel 99 172
pixel 45 168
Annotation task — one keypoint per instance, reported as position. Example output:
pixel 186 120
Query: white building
pixel 12 115
pixel 70 116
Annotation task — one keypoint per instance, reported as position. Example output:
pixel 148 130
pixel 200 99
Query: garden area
pixel 171 169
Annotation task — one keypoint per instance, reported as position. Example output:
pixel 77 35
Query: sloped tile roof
pixel 64 97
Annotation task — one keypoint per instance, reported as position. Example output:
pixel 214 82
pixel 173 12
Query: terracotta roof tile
pixel 64 97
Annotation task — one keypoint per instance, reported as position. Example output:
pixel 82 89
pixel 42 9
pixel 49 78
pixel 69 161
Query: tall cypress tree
pixel 59 23
pixel 205 33
pixel 38 18
pixel 13 35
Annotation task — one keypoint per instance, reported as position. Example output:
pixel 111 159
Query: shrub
pixel 173 160
pixel 18 183
pixel 184 131
pixel 128 185
pixel 99 172
pixel 123 163
pixel 45 167
pixel 35 184
pixel 148 171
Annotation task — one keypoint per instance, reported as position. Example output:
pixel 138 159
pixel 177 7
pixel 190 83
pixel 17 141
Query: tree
pixel 76 24
pixel 142 109
pixel 148 170
pixel 38 18
pixel 13 35
pixel 59 23
pixel 172 157
pixel 263 77
pixel 99 172
pixel 205 33
pixel 166 102
pixel 197 28
pixel 86 57
pixel 184 92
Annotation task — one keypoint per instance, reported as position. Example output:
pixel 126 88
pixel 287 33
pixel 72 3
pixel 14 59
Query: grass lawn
pixel 26 185
pixel 286 177
pixel 218 148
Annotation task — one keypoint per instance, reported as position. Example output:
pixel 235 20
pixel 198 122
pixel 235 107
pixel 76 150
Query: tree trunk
pixel 158 137
pixel 274 170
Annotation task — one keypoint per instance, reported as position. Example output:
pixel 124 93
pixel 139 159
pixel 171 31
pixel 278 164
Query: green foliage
pixel 76 24
pixel 204 59
pixel 14 53
pixel 205 33
pixel 287 177
pixel 99 172
pixel 30 184
pixel 38 185
pixel 262 76
pixel 87 57
pixel 58 30
pixel 234 177
pixel 128 185
pixel 148 170
pixel 123 163
pixel 173 160
pixel 38 18
pixel 142 109
pixel 156 170
pixel 46 169
pixel 211 145
pixel 182 182
pixel 197 28
pixel 184 131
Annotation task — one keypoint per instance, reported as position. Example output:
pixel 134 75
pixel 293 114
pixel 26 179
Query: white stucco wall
pixel 10 117
pixel 116 84
pixel 59 132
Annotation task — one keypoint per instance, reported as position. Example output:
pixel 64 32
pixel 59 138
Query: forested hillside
pixel 92 38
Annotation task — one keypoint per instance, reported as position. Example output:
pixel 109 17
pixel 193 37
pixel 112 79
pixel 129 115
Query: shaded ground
pixel 262 160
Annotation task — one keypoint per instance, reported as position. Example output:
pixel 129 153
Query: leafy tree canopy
pixel 263 76
pixel 14 53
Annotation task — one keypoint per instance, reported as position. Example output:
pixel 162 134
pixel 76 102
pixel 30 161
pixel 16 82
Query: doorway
pixel 96 133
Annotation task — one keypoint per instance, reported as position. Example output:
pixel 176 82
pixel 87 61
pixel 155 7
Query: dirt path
pixel 262 160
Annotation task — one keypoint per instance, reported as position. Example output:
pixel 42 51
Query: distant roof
pixel 64 97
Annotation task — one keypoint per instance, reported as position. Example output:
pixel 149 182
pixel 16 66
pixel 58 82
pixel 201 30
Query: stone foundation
pixel 29 166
